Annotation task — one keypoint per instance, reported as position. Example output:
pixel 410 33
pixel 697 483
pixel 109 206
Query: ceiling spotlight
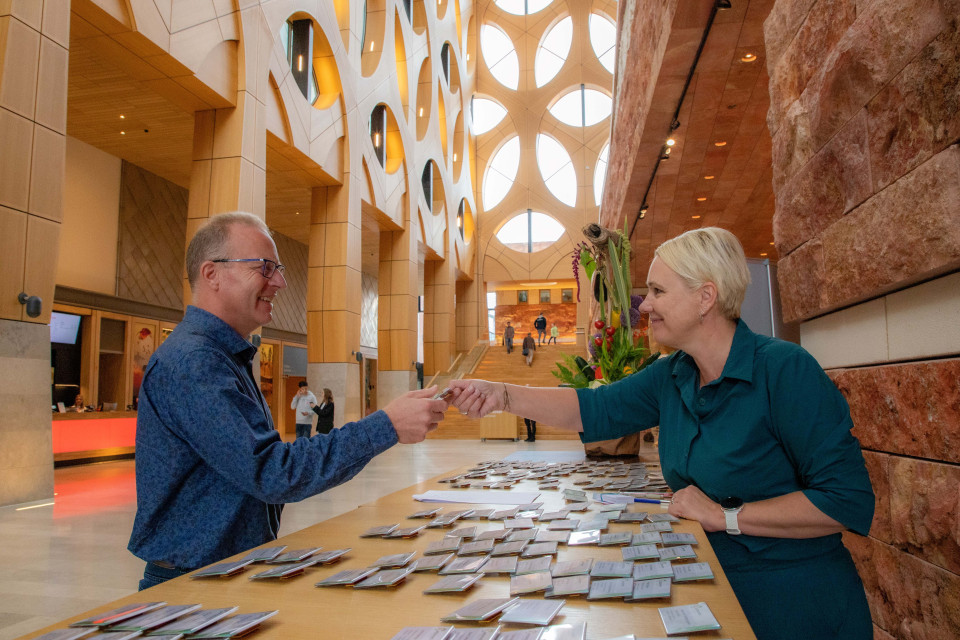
pixel 763 255
pixel 721 143
pixel 748 58
pixel 701 199
pixel 771 244
pixel 695 217
pixel 709 177
pixel 298 213
pixel 122 117
pixel 671 142
pixel 123 133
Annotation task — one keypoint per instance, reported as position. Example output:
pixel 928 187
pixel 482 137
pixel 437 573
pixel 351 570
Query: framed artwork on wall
pixel 566 295
pixel 545 296
pixel 522 296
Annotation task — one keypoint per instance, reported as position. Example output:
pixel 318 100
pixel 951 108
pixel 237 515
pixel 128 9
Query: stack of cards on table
pixel 162 622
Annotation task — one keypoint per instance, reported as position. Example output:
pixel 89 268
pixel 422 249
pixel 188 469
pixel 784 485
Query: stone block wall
pixel 865 120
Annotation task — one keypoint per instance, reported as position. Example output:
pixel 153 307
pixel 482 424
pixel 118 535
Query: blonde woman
pixel 754 441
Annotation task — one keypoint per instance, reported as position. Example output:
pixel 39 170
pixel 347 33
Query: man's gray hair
pixel 210 240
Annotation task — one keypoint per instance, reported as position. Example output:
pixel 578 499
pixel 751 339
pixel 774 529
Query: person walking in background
pixel 508 337
pixel 554 334
pixel 302 401
pixel 325 411
pixel 529 346
pixel 540 324
pixel 531 430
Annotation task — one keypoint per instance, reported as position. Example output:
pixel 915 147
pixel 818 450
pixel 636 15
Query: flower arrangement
pixel 617 348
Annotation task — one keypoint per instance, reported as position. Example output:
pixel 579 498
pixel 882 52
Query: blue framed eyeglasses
pixel 269 266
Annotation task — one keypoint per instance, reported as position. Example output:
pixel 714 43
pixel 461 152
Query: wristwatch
pixel 731 507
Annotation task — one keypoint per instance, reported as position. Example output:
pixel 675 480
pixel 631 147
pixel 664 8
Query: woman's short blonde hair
pixel 712 255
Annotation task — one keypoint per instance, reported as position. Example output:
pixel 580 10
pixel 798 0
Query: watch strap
pixel 730 517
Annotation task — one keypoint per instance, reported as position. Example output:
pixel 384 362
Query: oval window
pixel 500 56
pixel 557 170
pixel 530 231
pixel 501 173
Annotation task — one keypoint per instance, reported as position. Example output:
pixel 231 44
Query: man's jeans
pixel 303 430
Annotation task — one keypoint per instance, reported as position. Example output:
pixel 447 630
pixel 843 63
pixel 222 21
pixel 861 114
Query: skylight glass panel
pixel 596 105
pixel 500 56
pixel 569 109
pixel 600 174
pixel 556 169
pixel 530 231
pixel 516 7
pixel 603 37
pixel 519 7
pixel 501 173
pixel 553 50
pixel 486 114
pixel 534 6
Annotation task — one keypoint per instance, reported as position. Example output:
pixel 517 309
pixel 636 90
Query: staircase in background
pixel 498 366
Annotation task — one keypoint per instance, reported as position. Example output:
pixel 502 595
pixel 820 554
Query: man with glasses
pixel 212 472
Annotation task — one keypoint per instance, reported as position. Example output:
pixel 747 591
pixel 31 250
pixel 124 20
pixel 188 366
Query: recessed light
pixel 421 112
pixel 671 142
pixel 695 217
pixel 748 58
pixel 708 177
pixel 454 157
pixel 298 213
pixel 721 143
pixel 701 199
pixel 372 44
pixel 123 133
pixel 122 116
pixel 771 244
pixel 763 255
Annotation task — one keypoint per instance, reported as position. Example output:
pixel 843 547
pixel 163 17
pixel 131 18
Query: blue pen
pixel 622 499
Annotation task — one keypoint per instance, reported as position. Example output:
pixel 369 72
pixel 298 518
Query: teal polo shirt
pixel 771 424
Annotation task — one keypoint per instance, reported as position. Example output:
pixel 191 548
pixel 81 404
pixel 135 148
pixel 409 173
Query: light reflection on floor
pixel 63 559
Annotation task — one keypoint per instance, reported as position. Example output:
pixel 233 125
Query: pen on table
pixel 653 501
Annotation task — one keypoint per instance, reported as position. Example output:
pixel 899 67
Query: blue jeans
pixel 154 574
pixel 303 430
pixel 541 334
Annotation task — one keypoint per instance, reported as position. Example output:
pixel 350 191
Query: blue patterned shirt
pixel 212 472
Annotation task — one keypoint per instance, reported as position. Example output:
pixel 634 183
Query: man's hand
pixel 477 398
pixel 414 414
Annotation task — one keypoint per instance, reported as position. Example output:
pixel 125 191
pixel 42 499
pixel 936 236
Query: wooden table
pixel 306 611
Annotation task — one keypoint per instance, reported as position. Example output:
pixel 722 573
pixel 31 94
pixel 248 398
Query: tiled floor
pixel 62 559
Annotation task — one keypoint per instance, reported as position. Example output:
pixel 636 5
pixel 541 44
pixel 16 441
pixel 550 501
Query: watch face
pixel 731 503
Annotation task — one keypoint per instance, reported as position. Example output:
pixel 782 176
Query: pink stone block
pixel 918 114
pixel 819 33
pixel 908 598
pixel 910 409
pixel 801 276
pixel 879 469
pixel 906 233
pixel 832 183
pixel 780 27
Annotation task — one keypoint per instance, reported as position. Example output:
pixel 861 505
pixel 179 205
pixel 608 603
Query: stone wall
pixel 865 117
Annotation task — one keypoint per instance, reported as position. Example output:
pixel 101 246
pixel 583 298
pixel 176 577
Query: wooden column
pixel 439 316
pixel 398 285
pixel 34 43
pixel 333 298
